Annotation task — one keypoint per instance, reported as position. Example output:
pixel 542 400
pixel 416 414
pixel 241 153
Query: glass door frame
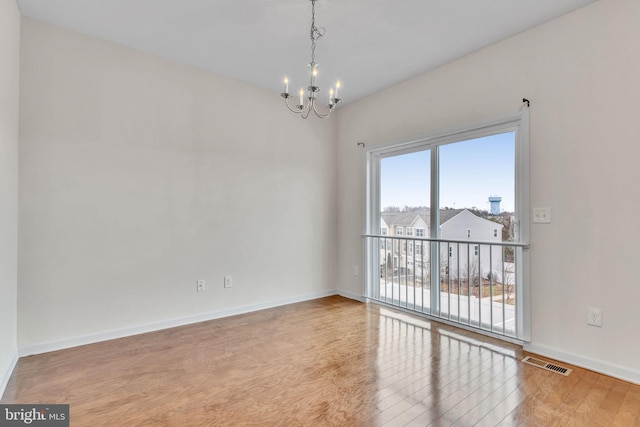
pixel 519 124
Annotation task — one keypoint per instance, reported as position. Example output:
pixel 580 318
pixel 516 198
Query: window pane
pixel 405 196
pixel 405 181
pixel 478 175
pixel 477 197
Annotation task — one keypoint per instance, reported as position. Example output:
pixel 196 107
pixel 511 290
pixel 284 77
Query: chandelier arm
pixel 319 114
pixel 295 109
pixel 307 111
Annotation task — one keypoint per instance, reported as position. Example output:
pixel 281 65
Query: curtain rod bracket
pixel 526 101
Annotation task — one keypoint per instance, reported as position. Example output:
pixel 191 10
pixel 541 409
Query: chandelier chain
pixel 315 33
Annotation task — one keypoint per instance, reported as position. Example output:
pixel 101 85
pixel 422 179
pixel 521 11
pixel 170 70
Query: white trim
pixel 371 217
pixel 522 226
pixel 473 130
pixel 165 324
pixel 6 375
pixel 351 295
pixel 596 365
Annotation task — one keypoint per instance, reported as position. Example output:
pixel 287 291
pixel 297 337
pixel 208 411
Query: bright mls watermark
pixel 34 415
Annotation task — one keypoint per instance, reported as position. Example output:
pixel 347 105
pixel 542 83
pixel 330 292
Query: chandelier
pixel 302 108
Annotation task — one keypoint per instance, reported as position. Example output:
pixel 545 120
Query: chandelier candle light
pixel 305 109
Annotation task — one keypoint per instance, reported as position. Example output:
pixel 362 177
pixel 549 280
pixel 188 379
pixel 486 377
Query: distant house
pixel 457 259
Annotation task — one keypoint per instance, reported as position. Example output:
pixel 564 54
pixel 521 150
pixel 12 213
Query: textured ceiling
pixel 369 44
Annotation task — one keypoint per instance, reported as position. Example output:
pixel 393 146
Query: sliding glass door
pixel 445 227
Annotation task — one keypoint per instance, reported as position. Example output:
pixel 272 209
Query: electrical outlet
pixel 200 285
pixel 594 317
pixel 228 282
pixel 356 270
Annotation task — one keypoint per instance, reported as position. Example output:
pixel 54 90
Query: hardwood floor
pixel 331 361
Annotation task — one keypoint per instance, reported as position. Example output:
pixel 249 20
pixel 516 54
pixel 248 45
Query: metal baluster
pixel 393 262
pixel 517 252
pixel 413 242
pixel 383 279
pixel 448 283
pixel 479 288
pixel 458 280
pixel 406 273
pixel 491 287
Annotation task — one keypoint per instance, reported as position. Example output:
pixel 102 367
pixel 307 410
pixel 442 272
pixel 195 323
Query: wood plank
pixel 330 361
pixel 629 412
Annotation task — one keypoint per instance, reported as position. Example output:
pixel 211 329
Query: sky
pixel 470 172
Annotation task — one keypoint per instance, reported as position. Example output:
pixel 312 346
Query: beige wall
pixel 139 176
pixel 9 84
pixel 581 74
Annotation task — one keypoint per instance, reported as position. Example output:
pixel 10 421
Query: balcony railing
pixel 472 283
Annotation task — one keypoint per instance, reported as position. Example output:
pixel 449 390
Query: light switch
pixel 542 215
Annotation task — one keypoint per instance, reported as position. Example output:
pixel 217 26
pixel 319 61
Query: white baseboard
pixel 5 374
pixel 165 324
pixel 612 370
pixel 350 295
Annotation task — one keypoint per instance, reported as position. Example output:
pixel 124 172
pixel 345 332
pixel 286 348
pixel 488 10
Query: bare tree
pixel 471 274
pixel 509 285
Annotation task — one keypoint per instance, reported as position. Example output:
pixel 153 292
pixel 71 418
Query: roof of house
pixel 407 218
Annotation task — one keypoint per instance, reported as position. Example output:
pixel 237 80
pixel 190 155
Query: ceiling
pixel 369 44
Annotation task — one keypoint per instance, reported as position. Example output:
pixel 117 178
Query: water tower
pixel 494 201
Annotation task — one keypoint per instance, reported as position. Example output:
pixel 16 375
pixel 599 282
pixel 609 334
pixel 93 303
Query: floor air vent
pixel 546 365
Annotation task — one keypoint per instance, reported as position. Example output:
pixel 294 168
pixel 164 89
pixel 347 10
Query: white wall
pixel 139 176
pixel 457 228
pixel 581 74
pixel 9 84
